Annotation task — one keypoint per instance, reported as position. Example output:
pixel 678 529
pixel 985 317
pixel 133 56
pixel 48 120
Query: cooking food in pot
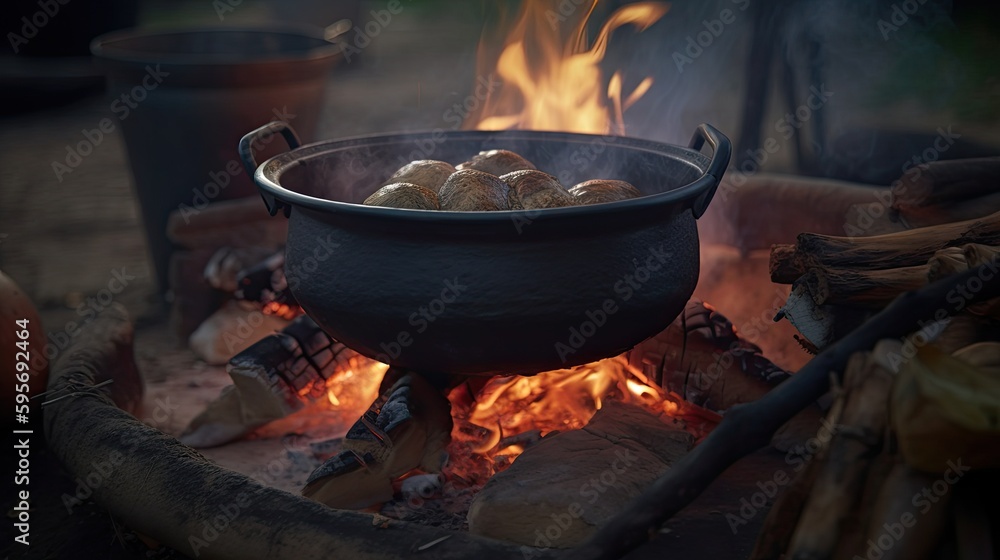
pixel 404 195
pixel 492 180
pixel 496 162
pixel 428 173
pixel 532 189
pixel 597 191
pixel 470 190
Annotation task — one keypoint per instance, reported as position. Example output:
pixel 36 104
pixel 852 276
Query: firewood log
pixel 701 357
pixel 783 517
pixel 923 216
pixel 908 248
pixel 407 427
pixel 784 265
pixel 821 325
pixel 946 182
pixel 273 378
pixel 959 259
pixel 858 438
pixel 895 505
pixel 861 288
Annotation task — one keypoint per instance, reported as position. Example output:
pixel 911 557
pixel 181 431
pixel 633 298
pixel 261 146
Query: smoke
pixel 869 53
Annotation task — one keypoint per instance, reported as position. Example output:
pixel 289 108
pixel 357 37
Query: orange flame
pixel 283 310
pixel 552 80
pixel 489 433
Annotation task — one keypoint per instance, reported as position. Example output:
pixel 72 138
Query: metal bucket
pixel 185 97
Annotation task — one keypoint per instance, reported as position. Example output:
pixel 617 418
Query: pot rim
pixel 697 193
pixel 103 46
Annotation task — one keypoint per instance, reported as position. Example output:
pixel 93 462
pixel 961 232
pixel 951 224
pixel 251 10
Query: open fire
pixel 551 80
pixel 551 73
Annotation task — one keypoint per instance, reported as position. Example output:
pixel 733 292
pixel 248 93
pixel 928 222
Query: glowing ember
pixel 283 310
pixel 489 433
pixel 551 78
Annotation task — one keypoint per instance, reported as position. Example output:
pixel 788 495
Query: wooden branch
pixel 784 266
pixel 923 216
pixel 906 248
pixel 958 259
pixel 821 325
pixel 783 517
pixel 407 427
pixel 946 182
pixel 953 260
pixel 174 495
pixel 858 439
pixel 746 428
pixel 892 250
pixel 895 502
pixel 861 288
pixel 702 358
pixel 273 378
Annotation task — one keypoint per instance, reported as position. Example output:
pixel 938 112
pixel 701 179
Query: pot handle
pixel 262 134
pixel 722 150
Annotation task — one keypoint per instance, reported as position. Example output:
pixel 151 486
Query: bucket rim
pixel 102 45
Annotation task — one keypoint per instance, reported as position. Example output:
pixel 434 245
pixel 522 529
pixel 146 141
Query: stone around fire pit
pixel 560 490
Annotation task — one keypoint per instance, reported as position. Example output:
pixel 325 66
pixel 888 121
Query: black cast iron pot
pixel 490 292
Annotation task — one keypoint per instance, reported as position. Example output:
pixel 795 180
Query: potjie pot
pixel 484 293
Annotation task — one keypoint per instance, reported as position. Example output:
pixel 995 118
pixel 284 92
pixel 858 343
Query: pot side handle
pixel 722 150
pixel 261 135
